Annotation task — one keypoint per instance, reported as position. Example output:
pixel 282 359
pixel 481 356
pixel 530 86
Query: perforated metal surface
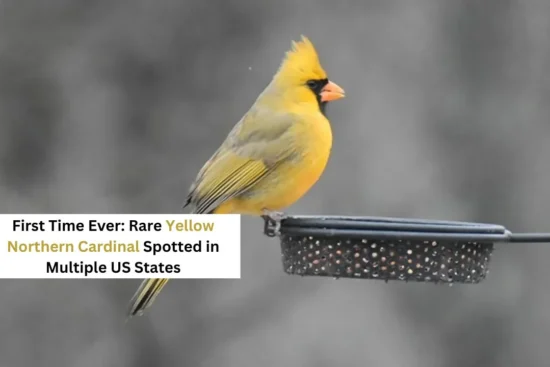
pixel 408 260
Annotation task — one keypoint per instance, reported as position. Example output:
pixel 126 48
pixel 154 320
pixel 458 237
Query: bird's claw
pixel 272 218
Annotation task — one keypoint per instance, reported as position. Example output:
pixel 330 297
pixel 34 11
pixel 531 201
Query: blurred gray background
pixel 113 106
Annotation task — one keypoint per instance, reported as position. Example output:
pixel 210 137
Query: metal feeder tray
pixel 390 248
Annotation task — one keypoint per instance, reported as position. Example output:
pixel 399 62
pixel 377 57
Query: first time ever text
pixel 57 225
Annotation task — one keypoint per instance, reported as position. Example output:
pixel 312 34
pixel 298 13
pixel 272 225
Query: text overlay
pixel 123 246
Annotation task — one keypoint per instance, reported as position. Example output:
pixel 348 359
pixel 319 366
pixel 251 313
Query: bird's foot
pixel 272 218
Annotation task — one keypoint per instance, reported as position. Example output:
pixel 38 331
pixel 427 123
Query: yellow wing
pixel 254 148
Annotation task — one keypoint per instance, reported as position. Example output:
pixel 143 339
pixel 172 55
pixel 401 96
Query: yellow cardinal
pixel 274 154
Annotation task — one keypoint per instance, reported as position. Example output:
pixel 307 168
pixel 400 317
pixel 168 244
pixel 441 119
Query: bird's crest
pixel 301 63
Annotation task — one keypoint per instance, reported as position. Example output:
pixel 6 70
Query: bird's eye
pixel 312 84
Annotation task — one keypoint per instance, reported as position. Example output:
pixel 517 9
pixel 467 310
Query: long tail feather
pixel 145 296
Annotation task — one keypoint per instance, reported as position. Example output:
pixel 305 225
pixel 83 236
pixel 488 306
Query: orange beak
pixel 331 92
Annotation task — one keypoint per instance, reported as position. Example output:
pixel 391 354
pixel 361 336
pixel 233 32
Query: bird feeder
pixel 390 248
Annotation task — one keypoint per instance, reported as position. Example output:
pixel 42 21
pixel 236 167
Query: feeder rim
pixel 370 227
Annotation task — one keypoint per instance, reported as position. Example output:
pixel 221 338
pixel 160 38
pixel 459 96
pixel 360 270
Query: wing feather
pixel 230 184
pixel 259 143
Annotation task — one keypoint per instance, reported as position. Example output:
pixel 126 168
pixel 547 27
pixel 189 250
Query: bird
pixel 275 153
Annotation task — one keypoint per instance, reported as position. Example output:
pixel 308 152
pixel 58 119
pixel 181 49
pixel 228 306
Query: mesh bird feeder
pixel 390 248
